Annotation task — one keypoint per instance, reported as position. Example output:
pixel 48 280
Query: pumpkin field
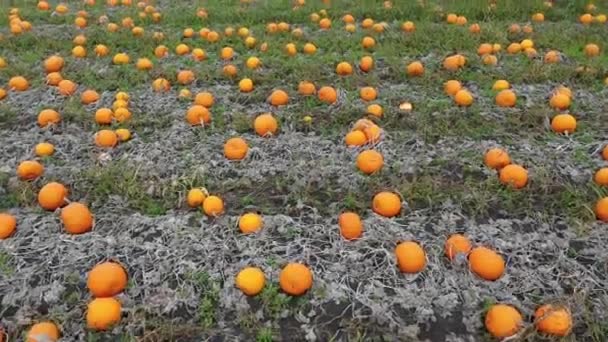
pixel 303 170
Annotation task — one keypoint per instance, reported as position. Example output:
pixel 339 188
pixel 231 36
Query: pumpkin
pixel 306 88
pixel 43 331
pixel 29 170
pixel 451 87
pixel 368 93
pixel 161 51
pixel 123 134
pixel 411 258
pixel 253 63
pixel 52 196
pixel 265 125
pixel 514 175
pixel 563 123
pixel 53 64
pixel 18 83
pixel 107 279
pixel 457 244
pixel 375 110
pixel 295 279
pixel 144 64
pixel 44 149
pixel 8 224
pixel 204 99
pixel 506 98
pixel 366 64
pixel 89 96
pixel 370 161
pixel 67 87
pixel 387 204
pixel 408 26
pixel 560 101
pixel 101 50
pixel 486 263
pixel 48 117
pixel 327 95
pixel 368 42
pixel 213 206
pixel 161 85
pixel 344 69
pixel 278 98
pixel 106 138
pixel 250 223
pixel 309 49
pixel 246 85
pixel 185 77
pixel 227 53
pixel 103 313
pixel 355 138
pixel 553 320
pixel 120 59
pixel 601 209
pixel 503 321
pixel 76 218
pixel 463 98
pixel 53 78
pixel 496 158
pixel 198 115
pixel 103 116
pixel 235 149
pixel 250 280
pixel 350 225
pixel 122 114
pixel 592 50
pixel 415 69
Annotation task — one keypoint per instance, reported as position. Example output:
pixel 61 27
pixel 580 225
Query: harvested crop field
pixel 155 193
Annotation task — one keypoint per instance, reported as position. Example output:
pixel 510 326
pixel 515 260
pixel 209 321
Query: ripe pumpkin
pixel 246 85
pixel 89 96
pixel 306 88
pixel 52 196
pixel 196 197
pixel 500 85
pixel 199 54
pixel 370 161
pixel 204 99
pixel 253 62
pixel 503 320
pixel 327 94
pixel 235 148
pixel 387 204
pixel 295 279
pixel 506 98
pixel 8 224
pixel 278 98
pixel 563 123
pixel 29 170
pixel 408 26
pixel 53 64
pixel 475 28
pixel 53 78
pixel 451 87
pixel 103 116
pixel 185 77
pixel 198 115
pixel 265 125
pixel 463 98
pixel 250 280
pixel 496 158
pixel 144 64
pixel 411 258
pixel 161 51
pixel 103 313
pixel 18 83
pixel 514 48
pixel 43 331
pixel 375 110
pixel 106 138
pixel 123 134
pixel 368 93
pixel 76 218
pixel 514 175
pixel 48 117
pixel 250 223
pixel 552 57
pixel 67 87
pixel 350 225
pixel 122 114
pixel 415 69
pixel 366 63
pixel 161 85
pixel 560 101
pixel 368 42
pixel 227 53
pixel 44 149
pixel 553 320
pixel 355 138
pixel 605 152
pixel 457 244
pixel 107 279
pixel 489 60
pixel 79 51
pixel 601 176
pixel 101 50
pixel 120 59
pixel 486 263
pixel 213 206
pixel 344 69
pixel 601 209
